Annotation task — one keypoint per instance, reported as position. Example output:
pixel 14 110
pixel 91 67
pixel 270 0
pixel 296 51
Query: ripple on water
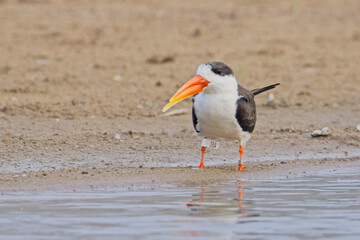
pixel 326 206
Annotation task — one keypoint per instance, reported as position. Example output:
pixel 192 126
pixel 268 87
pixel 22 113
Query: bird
pixel 222 109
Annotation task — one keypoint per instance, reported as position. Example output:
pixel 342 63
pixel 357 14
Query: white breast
pixel 216 115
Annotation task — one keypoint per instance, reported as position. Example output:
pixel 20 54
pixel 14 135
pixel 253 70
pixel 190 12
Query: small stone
pixel 357 129
pixel 316 133
pixel 117 78
pixel 271 101
pixel 42 62
pixel 325 131
pixel 271 98
pixel 321 133
pixel 117 136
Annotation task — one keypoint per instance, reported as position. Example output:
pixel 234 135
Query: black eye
pixel 217 71
pixel 244 99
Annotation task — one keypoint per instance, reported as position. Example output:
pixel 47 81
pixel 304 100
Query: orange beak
pixel 193 86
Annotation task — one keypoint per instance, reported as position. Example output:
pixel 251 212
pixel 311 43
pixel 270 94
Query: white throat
pixel 218 84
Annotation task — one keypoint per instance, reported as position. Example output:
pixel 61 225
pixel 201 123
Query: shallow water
pixel 312 207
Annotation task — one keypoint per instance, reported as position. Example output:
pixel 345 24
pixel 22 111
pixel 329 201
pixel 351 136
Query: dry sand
pixel 73 75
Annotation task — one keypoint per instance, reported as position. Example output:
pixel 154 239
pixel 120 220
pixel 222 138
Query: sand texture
pixel 82 87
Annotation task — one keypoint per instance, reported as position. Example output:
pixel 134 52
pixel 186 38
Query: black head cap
pixel 220 68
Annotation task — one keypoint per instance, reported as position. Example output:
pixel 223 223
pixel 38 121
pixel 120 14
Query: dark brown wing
pixel 246 110
pixel 194 117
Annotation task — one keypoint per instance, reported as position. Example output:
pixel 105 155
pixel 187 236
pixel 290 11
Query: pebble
pixel 357 128
pixel 316 133
pixel 117 136
pixel 321 133
pixel 325 131
pixel 42 62
pixel 117 78
pixel 271 98
pixel 271 101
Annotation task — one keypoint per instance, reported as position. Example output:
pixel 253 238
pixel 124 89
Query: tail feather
pixel 260 90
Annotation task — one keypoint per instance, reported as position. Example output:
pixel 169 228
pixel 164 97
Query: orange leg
pixel 202 157
pixel 241 165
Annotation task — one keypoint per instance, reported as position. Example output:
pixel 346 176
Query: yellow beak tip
pixel 167 107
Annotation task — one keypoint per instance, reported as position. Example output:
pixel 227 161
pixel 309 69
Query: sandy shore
pixel 73 76
pixel 161 151
pixel 148 178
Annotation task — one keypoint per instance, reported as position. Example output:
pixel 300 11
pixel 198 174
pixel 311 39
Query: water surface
pixel 311 207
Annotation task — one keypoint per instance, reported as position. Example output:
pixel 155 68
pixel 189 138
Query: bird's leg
pixel 202 157
pixel 241 165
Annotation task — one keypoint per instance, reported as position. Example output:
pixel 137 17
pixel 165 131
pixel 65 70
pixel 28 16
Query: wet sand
pixel 148 178
pixel 74 76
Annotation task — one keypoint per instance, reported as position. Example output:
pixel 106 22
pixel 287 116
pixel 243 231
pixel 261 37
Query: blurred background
pixel 70 59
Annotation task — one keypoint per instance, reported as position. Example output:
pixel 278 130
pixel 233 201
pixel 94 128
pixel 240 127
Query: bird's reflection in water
pixel 241 207
pixel 212 201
